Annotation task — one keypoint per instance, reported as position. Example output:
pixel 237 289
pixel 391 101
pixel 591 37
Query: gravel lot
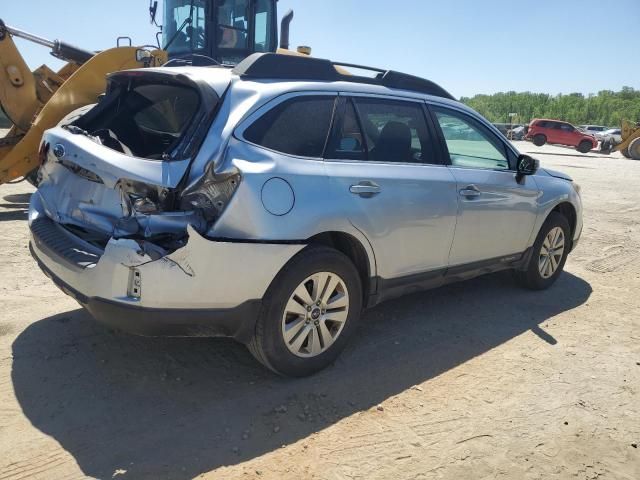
pixel 475 380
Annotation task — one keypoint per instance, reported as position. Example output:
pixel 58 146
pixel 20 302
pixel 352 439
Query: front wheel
pixel 584 146
pixel 309 313
pixel 634 149
pixel 550 252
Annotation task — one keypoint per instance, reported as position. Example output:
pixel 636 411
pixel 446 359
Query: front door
pixel 382 164
pixel 496 214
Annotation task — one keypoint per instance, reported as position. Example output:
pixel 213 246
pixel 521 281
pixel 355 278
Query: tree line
pixel 607 108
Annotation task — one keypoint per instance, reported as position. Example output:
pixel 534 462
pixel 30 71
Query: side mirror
pixel 526 166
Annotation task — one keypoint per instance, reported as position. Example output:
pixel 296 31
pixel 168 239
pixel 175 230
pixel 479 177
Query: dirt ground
pixel 471 381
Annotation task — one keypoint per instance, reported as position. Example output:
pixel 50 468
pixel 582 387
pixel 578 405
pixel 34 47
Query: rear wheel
pixel 584 146
pixel 634 149
pixel 539 140
pixel 309 313
pixel 625 153
pixel 549 255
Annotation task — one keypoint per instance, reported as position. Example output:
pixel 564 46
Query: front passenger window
pixel 469 144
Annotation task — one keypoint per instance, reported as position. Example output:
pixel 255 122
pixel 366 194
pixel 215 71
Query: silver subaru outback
pixel 273 202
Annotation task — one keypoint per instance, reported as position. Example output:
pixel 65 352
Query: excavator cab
pixel 195 32
pixel 218 31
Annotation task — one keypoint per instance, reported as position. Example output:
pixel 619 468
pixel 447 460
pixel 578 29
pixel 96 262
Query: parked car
pixel 517 133
pixel 240 203
pixel 614 134
pixel 592 129
pixel 543 131
pixel 506 127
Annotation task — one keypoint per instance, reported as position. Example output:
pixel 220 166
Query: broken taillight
pixel 211 194
pixel 43 153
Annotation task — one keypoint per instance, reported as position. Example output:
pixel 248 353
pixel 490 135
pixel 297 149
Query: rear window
pixel 146 120
pixel 299 126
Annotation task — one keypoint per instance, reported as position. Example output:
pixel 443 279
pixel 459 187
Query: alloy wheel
pixel 315 314
pixel 551 252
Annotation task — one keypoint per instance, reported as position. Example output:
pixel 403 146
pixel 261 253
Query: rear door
pixel 382 164
pixel 568 134
pixel 496 214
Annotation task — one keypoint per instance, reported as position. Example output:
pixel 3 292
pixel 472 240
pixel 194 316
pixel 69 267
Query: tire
pixel 625 153
pixel 634 149
pixel 268 344
pixel 539 140
pixel 532 277
pixel 584 146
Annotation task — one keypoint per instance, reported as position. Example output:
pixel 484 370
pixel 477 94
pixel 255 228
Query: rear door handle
pixel 365 189
pixel 470 191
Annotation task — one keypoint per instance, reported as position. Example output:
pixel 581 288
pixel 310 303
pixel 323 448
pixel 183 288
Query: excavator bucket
pixel 35 102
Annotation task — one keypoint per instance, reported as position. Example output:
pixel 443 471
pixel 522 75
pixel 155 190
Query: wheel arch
pixel 568 211
pixel 356 251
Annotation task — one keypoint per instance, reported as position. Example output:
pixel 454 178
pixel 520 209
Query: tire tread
pixel 530 278
pixel 309 255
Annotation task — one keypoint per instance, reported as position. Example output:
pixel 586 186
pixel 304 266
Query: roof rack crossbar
pixel 293 67
pixel 359 67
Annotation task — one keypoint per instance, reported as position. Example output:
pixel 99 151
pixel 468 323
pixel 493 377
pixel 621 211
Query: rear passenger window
pixel 299 126
pixel 350 143
pixel 383 131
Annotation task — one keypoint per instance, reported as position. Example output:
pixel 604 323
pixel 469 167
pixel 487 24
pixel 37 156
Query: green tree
pixel 604 108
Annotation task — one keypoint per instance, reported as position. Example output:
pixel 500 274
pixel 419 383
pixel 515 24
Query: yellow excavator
pixel 629 144
pixel 193 32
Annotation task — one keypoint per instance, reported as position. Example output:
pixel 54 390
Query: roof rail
pixel 295 67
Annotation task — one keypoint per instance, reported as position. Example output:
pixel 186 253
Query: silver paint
pixel 415 221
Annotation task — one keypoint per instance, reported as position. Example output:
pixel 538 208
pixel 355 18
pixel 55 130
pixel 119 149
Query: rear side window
pixel 299 126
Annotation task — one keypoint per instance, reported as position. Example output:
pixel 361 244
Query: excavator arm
pixel 36 101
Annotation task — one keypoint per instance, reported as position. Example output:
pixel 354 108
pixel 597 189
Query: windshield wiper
pixel 188 21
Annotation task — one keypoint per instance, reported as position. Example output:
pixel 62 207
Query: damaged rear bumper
pixel 236 322
pixel 207 288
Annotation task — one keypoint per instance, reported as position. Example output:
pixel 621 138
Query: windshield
pixel 192 37
pixel 238 28
pixel 244 27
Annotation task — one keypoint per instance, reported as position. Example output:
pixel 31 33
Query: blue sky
pixel 468 46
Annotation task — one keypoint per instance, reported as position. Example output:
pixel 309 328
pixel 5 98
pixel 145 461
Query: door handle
pixel 470 191
pixel 365 189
